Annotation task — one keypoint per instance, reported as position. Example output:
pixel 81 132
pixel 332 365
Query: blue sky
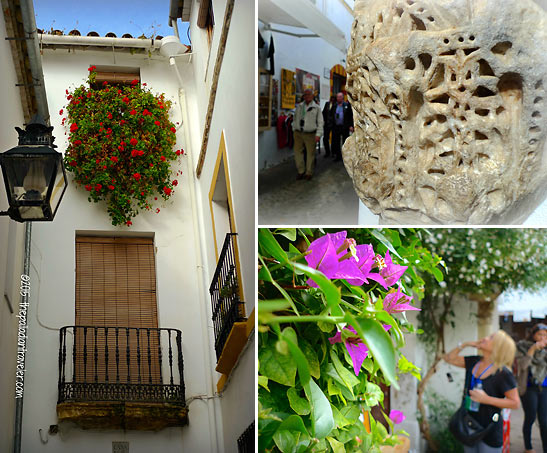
pixel 137 17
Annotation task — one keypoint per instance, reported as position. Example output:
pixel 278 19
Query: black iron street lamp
pixel 34 174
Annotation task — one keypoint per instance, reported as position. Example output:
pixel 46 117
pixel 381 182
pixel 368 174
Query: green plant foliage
pixel 310 398
pixel 440 411
pixel 120 146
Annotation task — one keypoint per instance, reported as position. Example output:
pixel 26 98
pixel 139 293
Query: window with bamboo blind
pixel 115 76
pixel 116 287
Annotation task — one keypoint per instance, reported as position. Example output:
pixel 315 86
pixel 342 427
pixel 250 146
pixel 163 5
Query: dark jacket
pixel 348 115
pixel 327 119
pixel 537 365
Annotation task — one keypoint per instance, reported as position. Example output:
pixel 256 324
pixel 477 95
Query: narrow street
pixel 328 199
pixel 517 442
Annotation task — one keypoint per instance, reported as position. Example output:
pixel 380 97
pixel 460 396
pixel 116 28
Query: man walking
pixel 308 128
pixel 342 119
pixel 327 123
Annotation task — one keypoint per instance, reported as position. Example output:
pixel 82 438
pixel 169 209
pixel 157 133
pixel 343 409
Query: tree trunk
pixel 424 424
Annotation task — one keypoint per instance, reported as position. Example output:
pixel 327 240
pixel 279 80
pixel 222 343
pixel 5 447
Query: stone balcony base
pixel 123 415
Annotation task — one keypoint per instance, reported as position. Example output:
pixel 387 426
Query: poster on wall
pixel 306 80
pixel 288 89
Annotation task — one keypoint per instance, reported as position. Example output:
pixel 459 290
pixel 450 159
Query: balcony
pixel 228 309
pixel 121 377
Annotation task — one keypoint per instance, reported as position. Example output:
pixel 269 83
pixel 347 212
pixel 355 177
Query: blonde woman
pixel 493 386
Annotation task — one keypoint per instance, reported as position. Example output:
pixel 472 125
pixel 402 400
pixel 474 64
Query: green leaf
pixel 269 306
pixel 373 394
pixel 298 404
pixel 263 382
pixel 289 335
pixel 289 233
pixel 311 357
pixel 270 245
pixel 349 378
pixel 280 289
pixel 378 235
pixel 321 412
pixel 437 274
pixel 293 423
pixel 277 367
pixel 285 440
pixel 405 366
pixel 330 290
pixel 339 420
pixel 337 447
pixel 379 344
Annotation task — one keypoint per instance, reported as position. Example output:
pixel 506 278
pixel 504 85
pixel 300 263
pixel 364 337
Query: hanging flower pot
pixel 120 146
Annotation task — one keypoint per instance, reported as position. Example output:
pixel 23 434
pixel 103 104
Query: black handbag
pixel 463 425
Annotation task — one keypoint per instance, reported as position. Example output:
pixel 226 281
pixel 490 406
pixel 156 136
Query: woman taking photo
pixel 532 384
pixel 492 385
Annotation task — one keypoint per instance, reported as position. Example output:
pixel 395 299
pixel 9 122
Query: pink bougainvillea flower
pixel 397 302
pixel 397 416
pixel 390 271
pixel 73 127
pixel 357 350
pixel 365 262
pixel 133 141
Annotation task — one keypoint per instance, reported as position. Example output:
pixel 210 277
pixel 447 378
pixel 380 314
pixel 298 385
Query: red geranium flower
pixel 167 190
pixel 88 187
pixel 134 82
pixel 114 159
pixel 77 142
pixel 146 112
pixel 98 187
pixel 142 193
pixel 137 176
pixel 61 112
pixel 122 122
pixel 129 223
pixel 73 163
pixel 109 115
pixel 173 130
pixel 177 152
pixel 151 165
pixel 125 99
pixel 175 182
pixel 97 161
pixel 105 83
pixel 157 123
pixel 162 158
pixel 111 187
pixel 133 141
pixel 133 112
pixel 92 68
pixel 73 127
pixel 88 95
pixel 157 210
pixel 69 97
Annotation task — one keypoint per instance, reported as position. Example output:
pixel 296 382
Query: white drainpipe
pixel 213 408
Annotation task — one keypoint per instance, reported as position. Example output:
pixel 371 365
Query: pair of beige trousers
pixel 304 141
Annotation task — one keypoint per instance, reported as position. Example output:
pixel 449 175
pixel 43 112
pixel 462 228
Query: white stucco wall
pixel 234 115
pixel 11 246
pixel 309 54
pixel 179 294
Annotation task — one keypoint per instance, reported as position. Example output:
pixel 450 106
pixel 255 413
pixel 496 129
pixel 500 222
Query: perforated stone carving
pixel 450 101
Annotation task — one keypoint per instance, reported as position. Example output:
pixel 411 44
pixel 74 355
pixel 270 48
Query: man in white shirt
pixel 308 129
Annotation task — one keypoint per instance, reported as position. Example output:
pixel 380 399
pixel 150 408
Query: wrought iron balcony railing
pixel 120 364
pixel 224 290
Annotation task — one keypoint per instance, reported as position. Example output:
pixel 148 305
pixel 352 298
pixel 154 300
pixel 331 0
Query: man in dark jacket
pixel 327 124
pixel 342 123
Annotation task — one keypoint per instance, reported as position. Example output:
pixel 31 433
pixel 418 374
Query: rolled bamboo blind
pixel 116 287
pixel 205 14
